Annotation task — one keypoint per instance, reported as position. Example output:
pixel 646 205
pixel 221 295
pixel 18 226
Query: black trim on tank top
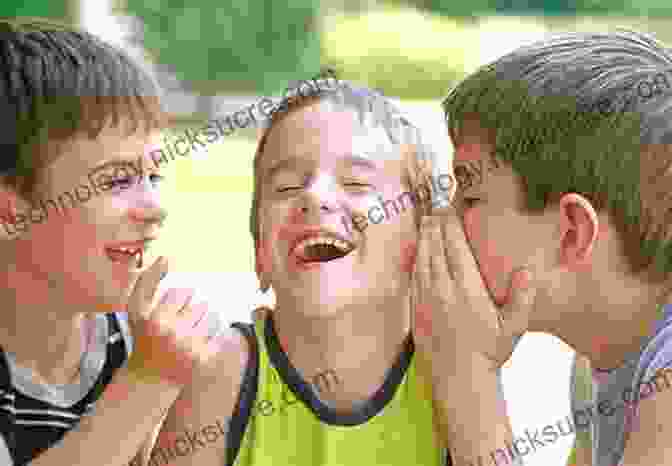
pixel 302 390
pixel 6 418
pixel 248 394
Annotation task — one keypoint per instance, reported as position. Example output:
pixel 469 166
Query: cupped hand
pixel 454 317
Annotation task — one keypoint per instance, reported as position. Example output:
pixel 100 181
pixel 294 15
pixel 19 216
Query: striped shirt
pixel 34 416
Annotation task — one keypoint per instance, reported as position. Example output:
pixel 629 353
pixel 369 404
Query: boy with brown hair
pixel 563 156
pixel 80 117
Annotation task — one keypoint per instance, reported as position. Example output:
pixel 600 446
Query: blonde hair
pixel 421 160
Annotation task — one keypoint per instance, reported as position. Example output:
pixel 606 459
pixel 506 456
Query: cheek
pixel 494 264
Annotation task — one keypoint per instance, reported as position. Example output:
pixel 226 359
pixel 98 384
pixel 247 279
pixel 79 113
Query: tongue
pixel 320 253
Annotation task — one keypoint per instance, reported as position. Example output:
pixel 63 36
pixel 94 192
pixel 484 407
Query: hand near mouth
pixel 454 317
pixel 171 338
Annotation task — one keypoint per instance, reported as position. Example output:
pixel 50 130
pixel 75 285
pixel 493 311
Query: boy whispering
pixel 563 150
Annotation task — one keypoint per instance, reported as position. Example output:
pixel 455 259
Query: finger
pixel 260 313
pixel 516 312
pixel 423 263
pixel 460 258
pixel 175 299
pixel 172 303
pixel 439 268
pixel 140 301
pixel 192 321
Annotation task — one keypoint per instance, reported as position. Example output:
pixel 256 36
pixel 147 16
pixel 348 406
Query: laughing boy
pixel 343 300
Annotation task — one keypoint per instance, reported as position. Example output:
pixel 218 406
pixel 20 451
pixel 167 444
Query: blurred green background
pixel 216 56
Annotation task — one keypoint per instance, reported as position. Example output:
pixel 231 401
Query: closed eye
pixel 119 183
pixel 288 188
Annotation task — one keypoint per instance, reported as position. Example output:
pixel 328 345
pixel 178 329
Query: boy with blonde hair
pixel 341 182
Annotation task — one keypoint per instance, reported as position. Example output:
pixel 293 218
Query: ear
pixel 264 283
pixel 579 226
pixel 262 263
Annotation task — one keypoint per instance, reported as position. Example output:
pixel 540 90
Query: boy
pixel 341 180
pixel 562 151
pixel 79 204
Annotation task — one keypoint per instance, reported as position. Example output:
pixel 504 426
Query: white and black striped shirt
pixel 34 416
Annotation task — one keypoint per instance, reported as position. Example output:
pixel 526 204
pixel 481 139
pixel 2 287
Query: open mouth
pixel 322 248
pixel 126 255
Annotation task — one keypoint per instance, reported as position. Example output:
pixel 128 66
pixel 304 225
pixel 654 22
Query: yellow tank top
pixel 281 421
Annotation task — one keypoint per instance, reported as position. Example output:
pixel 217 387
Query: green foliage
pixel 247 45
pixel 59 9
pixel 402 52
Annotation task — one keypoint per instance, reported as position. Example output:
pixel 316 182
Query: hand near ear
pixel 8 214
pixel 260 313
pixel 454 317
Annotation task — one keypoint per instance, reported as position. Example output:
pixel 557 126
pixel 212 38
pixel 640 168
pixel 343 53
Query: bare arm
pixel 130 406
pixel 204 409
pixel 143 456
pixel 171 344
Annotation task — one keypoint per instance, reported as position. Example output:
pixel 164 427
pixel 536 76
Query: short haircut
pixel 372 108
pixel 57 82
pixel 588 113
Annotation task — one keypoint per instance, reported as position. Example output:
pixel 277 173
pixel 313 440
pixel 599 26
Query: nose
pixel 146 205
pixel 321 198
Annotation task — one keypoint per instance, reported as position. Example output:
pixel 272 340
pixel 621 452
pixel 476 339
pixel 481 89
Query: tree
pixel 247 45
pixel 64 10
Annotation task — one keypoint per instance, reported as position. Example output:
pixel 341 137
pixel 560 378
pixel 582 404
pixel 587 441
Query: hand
pixel 170 338
pixel 260 313
pixel 454 315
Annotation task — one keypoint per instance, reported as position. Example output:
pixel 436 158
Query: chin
pixel 318 305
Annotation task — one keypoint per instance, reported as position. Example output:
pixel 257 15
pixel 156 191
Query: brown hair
pixel 58 82
pixel 585 113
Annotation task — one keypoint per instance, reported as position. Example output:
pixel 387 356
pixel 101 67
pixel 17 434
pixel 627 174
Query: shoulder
pixel 233 350
pixel 657 354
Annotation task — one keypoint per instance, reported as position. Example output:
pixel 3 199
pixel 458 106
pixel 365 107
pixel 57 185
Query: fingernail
pixel 523 279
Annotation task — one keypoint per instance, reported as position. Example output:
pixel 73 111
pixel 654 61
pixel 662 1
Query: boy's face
pixel 320 168
pixel 105 195
pixel 489 200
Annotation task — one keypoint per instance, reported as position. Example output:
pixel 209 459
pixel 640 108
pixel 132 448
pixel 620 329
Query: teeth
pixel 340 244
pixel 131 251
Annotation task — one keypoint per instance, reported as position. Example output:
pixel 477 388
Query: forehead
pixel 329 134
pixel 81 154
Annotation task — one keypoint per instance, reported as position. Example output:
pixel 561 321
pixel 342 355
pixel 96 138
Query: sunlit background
pixel 214 57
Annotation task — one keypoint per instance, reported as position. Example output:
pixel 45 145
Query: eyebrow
pixel 349 160
pixel 359 161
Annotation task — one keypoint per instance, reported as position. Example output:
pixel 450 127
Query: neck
pixel 614 329
pixel 36 327
pixel 358 343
